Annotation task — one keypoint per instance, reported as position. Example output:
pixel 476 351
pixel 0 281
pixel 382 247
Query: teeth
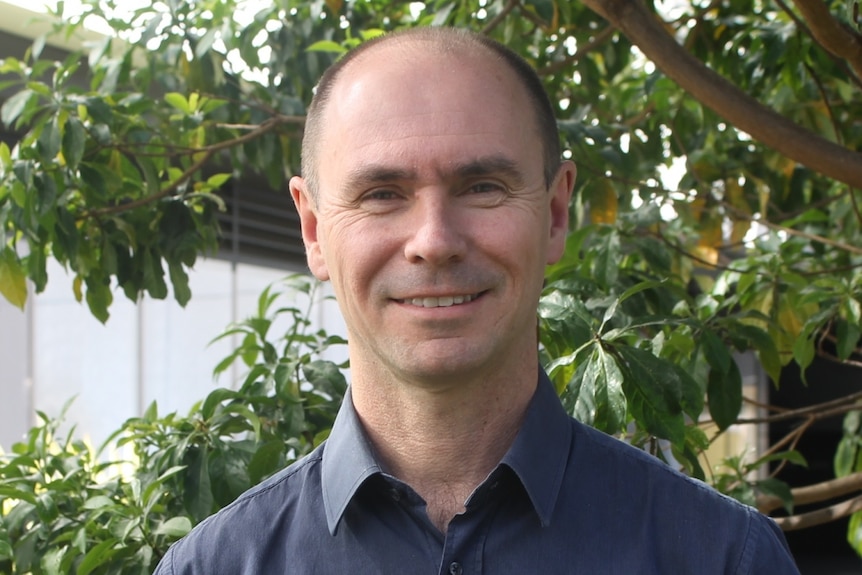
pixel 445 301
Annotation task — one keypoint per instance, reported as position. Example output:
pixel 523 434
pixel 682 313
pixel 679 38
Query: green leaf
pixel 174 527
pixel 5 157
pixel 791 456
pixel 777 488
pixel 250 417
pixel 543 8
pixel 854 532
pixel 15 105
pixel 767 351
pixel 52 560
pixel 154 274
pixel 206 42
pixel 571 256
pixel 178 101
pixel 180 281
pixel 442 15
pixel 97 556
pixel 724 392
pixel 653 393
pixel 607 382
pixel 98 501
pixel 266 460
pixel 198 496
pixel 37 262
pixel 579 395
pixel 803 352
pixel 606 264
pixel 716 353
pixel 693 393
pixel 5 549
pixel 218 180
pixel 844 460
pixel 214 399
pixel 49 141
pixel 327 46
pixel 848 334
pixel 13 284
pixel 99 298
pixel 74 139
pixel 152 489
pixel 326 376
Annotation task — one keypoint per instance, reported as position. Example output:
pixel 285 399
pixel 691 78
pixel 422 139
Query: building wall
pixel 56 350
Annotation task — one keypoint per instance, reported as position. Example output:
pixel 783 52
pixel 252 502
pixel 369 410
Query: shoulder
pixel 254 523
pixel 612 459
pixel 679 520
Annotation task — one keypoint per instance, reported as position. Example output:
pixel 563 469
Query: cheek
pixel 355 254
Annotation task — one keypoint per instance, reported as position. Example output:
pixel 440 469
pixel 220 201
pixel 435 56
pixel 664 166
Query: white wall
pixel 155 350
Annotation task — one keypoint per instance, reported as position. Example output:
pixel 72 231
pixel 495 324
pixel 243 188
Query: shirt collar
pixel 348 460
pixel 540 453
pixel 538 456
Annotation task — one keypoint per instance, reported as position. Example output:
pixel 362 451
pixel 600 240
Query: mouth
pixel 442 301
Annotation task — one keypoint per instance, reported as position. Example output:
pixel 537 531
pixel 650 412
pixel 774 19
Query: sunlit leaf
pixel 13 284
pixel 174 527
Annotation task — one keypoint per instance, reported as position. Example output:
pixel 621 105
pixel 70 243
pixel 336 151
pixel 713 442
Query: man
pixel 433 196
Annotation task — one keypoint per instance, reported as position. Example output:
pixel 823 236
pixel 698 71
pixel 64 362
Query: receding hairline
pixel 443 41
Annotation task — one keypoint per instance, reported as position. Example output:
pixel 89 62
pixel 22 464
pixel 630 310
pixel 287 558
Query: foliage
pixel 753 249
pixel 68 508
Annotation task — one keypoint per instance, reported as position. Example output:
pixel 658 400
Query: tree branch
pixel 830 33
pixel 803 28
pixel 793 232
pixel 814 493
pixel 501 15
pixel 207 153
pixel 821 516
pixel 644 30
pixel 819 411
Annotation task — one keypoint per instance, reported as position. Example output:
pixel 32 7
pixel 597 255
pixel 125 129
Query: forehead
pixel 415 105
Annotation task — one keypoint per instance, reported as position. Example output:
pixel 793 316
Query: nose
pixel 436 235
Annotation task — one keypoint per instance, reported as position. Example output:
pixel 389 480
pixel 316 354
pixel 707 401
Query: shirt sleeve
pixel 166 565
pixel 766 550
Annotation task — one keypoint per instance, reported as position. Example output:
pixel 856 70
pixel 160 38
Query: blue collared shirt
pixel 565 499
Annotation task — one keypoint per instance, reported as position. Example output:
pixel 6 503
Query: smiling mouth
pixel 443 301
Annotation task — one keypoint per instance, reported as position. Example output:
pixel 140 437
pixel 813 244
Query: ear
pixel 308 220
pixel 560 194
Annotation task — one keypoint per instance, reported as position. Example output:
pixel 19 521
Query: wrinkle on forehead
pixel 371 174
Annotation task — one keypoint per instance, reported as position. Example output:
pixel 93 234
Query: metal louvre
pixel 260 226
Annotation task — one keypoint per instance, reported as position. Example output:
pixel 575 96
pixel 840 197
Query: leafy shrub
pixel 66 507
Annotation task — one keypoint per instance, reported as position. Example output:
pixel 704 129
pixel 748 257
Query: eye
pixel 380 200
pixel 380 195
pixel 485 188
pixel 485 193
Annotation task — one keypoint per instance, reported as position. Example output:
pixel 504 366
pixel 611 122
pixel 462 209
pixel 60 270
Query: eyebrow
pixel 488 166
pixel 376 174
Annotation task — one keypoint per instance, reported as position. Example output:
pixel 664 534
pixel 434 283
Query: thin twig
pixel 501 15
pixel 207 153
pixel 599 39
pixel 820 410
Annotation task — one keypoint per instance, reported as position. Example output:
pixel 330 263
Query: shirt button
pixel 455 568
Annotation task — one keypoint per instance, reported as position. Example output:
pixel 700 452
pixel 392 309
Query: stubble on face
pixel 401 122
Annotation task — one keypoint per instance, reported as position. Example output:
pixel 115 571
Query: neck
pixel 443 442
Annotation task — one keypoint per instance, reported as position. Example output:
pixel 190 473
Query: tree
pixel 755 248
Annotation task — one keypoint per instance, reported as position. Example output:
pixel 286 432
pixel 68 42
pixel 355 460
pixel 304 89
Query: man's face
pixel 433 220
